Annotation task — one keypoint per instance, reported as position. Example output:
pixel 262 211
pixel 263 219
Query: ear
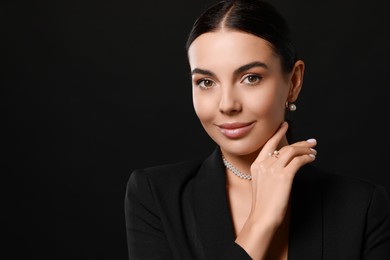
pixel 296 80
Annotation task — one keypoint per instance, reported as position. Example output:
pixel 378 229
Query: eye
pixel 252 79
pixel 205 83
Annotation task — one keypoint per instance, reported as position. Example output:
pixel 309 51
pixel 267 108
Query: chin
pixel 239 147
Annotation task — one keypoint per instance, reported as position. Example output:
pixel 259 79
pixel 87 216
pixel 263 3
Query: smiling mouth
pixel 235 130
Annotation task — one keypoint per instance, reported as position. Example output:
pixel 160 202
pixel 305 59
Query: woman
pixel 256 196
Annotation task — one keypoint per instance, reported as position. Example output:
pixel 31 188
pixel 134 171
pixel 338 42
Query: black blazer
pixel 181 211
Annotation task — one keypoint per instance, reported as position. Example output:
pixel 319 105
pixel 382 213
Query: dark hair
pixel 252 16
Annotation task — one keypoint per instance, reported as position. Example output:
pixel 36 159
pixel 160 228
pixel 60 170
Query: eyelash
pixel 199 82
pixel 258 79
pixel 202 81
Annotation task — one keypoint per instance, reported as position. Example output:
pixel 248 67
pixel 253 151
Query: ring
pixel 274 154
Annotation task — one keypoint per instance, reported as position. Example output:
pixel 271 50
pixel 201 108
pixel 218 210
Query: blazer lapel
pixel 305 240
pixel 212 210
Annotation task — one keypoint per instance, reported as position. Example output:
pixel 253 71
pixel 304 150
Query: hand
pixel 272 177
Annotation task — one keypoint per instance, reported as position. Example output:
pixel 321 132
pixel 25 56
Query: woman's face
pixel 239 90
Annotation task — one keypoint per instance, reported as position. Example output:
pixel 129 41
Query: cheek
pixel 204 106
pixel 266 105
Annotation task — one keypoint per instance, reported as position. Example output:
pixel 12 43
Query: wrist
pixel 263 223
pixel 256 236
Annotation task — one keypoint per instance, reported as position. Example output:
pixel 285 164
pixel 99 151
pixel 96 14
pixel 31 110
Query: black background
pixel 91 90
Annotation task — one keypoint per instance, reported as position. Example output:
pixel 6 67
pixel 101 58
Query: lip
pixel 236 129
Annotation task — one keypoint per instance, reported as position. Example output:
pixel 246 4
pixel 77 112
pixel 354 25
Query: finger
pixel 288 153
pixel 273 142
pixel 308 143
pixel 298 162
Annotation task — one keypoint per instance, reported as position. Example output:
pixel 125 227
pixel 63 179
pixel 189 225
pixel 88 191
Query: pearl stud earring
pixel 291 106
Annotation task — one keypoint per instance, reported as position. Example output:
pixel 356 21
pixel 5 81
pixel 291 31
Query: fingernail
pixel 313 150
pixel 312 155
pixel 311 140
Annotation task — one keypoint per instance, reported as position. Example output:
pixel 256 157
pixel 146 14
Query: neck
pixel 244 162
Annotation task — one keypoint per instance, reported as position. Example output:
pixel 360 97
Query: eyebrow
pixel 236 72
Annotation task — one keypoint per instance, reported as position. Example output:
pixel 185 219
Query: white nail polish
pixel 311 140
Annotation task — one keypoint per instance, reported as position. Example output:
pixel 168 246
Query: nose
pixel 229 103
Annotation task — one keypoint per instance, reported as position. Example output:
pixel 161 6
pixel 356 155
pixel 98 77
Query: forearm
pixel 255 238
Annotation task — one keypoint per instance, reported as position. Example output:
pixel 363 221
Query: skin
pixel 237 77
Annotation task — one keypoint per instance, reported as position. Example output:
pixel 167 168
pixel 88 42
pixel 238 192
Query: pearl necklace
pixel 236 171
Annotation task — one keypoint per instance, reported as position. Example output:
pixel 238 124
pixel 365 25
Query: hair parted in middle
pixel 256 17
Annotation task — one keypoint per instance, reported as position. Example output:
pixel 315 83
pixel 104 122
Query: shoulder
pixel 346 184
pixel 346 191
pixel 177 170
pixel 165 175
